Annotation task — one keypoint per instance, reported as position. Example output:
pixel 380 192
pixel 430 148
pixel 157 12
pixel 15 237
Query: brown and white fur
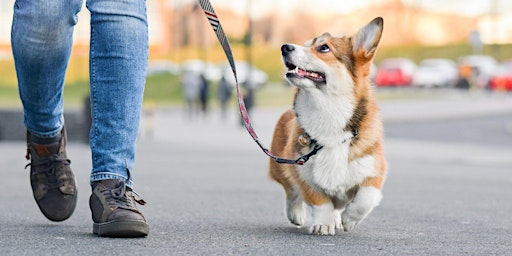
pixel 342 183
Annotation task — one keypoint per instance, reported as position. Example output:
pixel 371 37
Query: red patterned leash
pixel 217 28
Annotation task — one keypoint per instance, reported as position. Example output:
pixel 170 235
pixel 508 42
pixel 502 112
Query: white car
pixel 163 67
pixel 210 71
pixel 435 73
pixel 248 76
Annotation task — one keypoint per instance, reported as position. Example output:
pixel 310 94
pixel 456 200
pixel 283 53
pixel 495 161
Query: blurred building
pixel 496 29
pixel 6 11
pixel 174 24
pixel 159 22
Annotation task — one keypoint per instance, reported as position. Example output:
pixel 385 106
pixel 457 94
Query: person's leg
pixel 41 38
pixel 118 64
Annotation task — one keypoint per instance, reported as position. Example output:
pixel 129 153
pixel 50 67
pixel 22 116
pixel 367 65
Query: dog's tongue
pixel 301 72
pixel 307 74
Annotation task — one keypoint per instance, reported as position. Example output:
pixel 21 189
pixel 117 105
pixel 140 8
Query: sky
pixel 260 7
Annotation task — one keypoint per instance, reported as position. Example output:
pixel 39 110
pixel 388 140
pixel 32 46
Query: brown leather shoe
pixel 53 183
pixel 114 210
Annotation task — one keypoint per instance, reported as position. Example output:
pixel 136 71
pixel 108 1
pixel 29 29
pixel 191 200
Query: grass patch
pixel 163 89
pixel 9 97
pixel 7 74
pixel 275 95
pixel 166 89
pixel 74 95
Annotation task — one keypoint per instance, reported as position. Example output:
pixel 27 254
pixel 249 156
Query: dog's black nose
pixel 287 48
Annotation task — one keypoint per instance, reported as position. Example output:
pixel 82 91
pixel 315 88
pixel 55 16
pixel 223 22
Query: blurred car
pixel 210 71
pixel 163 67
pixel 502 79
pixel 248 75
pixel 435 73
pixel 482 67
pixel 395 72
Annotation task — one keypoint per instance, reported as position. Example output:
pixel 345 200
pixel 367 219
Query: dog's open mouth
pixel 298 72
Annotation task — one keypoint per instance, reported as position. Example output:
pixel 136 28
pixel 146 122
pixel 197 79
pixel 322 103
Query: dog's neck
pixel 325 118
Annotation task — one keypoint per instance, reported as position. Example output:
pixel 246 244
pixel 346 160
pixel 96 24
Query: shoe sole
pixel 121 229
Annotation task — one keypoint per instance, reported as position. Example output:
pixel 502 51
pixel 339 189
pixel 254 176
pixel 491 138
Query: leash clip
pixel 302 159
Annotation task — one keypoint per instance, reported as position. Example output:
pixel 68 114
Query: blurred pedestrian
pixel 204 94
pixel 42 40
pixel 224 94
pixel 191 84
pixel 248 97
pixel 465 74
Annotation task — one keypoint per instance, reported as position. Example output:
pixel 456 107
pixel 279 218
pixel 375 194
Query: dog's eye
pixel 323 48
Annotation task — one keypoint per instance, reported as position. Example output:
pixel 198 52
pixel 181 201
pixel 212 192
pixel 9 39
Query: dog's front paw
pixel 324 220
pixel 296 213
pixel 322 230
pixel 366 199
pixel 348 222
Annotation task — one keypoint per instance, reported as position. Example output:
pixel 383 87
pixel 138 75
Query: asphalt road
pixel 490 130
pixel 448 193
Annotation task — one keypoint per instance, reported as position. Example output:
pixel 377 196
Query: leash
pixel 221 36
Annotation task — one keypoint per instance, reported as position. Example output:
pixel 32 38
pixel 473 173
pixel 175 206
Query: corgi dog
pixel 334 107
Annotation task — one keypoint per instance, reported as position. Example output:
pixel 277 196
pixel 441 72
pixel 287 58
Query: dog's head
pixel 330 63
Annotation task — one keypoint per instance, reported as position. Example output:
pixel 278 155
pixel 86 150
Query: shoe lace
pixel 123 197
pixel 49 166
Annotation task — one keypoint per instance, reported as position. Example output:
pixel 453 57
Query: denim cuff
pixel 109 175
pixel 50 134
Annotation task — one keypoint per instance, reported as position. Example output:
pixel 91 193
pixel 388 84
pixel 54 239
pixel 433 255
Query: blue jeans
pixel 41 43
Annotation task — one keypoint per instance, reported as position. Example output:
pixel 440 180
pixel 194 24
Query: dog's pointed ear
pixel 367 38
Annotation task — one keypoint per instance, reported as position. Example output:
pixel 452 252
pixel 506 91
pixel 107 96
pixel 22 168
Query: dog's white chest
pixel 325 118
pixel 331 172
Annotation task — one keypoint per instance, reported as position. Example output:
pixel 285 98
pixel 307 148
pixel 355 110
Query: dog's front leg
pixel 295 207
pixel 365 200
pixel 324 222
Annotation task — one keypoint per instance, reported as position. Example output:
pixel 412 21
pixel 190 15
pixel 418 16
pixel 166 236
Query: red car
pixel 395 72
pixel 502 80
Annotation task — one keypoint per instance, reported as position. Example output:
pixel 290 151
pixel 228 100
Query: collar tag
pixel 304 139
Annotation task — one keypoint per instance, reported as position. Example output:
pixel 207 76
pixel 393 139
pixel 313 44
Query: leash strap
pixel 217 28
